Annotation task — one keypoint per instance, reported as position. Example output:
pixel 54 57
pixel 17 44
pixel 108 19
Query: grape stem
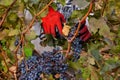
pixel 6 13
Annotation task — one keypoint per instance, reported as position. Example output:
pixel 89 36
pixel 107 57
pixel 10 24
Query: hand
pixel 52 21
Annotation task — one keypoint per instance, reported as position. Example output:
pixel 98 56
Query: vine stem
pixel 4 56
pixel 78 28
pixel 6 13
pixel 3 73
pixel 21 42
pixel 4 59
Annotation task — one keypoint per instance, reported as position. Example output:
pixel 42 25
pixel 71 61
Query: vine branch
pixel 21 42
pixel 4 59
pixel 6 13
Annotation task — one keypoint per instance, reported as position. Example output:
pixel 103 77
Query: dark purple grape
pixel 47 63
pixel 76 46
pixel 16 42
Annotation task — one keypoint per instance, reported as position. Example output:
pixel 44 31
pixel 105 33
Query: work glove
pixel 83 33
pixel 53 21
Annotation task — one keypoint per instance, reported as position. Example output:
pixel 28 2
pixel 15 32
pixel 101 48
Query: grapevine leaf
pixel 50 41
pixel 82 4
pixel 85 73
pixel 28 52
pixel 44 13
pixel 34 1
pixel 12 18
pixel 25 1
pixel 108 77
pixel 100 24
pixel 110 65
pixel 3 34
pixel 12 46
pixel 51 77
pixel 97 57
pixel 30 35
pixel 6 2
pixel 74 65
pixel 13 32
pixel 91 61
pixel 94 75
pixel 62 2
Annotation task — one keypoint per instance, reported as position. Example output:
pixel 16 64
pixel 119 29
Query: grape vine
pixel 50 63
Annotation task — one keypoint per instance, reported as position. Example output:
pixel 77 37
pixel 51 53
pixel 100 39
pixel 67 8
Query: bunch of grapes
pixel 76 48
pixel 76 43
pixel 47 63
pixel 29 69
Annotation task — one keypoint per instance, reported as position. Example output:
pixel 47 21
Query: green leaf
pixel 96 55
pixel 100 24
pixel 85 73
pixel 28 52
pixel 3 34
pixel 50 40
pixel 12 46
pixel 76 14
pixel 13 32
pixel 12 18
pixel 30 35
pixel 50 77
pixel 6 2
pixel 91 61
pixel 81 3
pixel 108 77
pixel 26 1
pixel 44 13
pixel 34 1
pixel 94 75
pixel 110 65
pixel 74 65
pixel 62 2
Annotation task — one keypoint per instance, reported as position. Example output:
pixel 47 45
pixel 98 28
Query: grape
pixel 16 42
pixel 48 63
pixel 63 77
pixel 32 73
